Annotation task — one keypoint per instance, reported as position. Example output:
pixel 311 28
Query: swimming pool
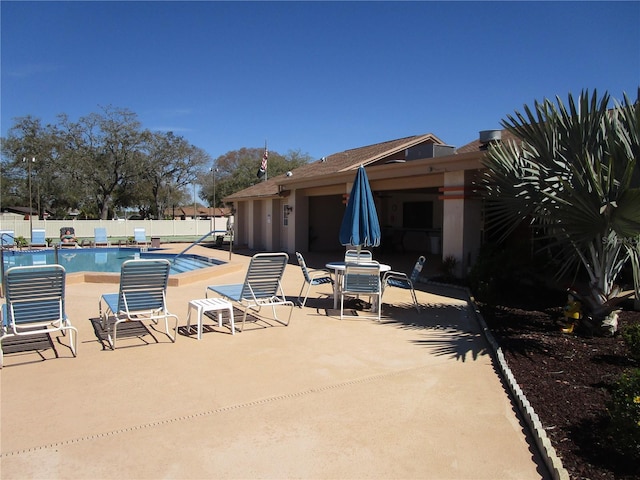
pixel 102 259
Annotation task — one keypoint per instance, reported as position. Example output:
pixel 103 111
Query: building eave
pixel 344 175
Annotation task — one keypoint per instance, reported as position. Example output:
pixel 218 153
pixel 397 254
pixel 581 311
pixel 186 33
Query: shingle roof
pixel 352 159
pixel 266 188
pixel 338 162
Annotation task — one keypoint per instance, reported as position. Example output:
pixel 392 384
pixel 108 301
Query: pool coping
pixel 175 280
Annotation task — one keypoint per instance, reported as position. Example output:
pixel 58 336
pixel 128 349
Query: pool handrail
pixel 3 234
pixel 193 244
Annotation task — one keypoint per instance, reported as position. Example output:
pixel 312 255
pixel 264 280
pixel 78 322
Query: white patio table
pixel 339 268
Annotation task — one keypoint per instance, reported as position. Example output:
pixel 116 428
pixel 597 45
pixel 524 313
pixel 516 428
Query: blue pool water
pixel 102 259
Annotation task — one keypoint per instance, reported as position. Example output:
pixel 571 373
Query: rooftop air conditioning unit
pixel 428 150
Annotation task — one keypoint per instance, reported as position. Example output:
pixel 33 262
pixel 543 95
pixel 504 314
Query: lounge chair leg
pixel 415 301
pixel 112 340
pixel 301 304
pixel 166 327
pixel 244 317
pixel 73 338
pixel 306 295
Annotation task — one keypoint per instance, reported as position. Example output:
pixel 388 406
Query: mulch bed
pixel 567 379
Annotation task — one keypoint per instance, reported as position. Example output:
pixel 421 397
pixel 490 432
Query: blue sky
pixel 320 77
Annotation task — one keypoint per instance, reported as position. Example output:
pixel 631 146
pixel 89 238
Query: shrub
pixel 497 270
pixel 448 266
pixel 624 412
pixel 631 335
pixel 21 242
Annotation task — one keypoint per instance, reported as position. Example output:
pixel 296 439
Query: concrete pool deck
pixel 415 396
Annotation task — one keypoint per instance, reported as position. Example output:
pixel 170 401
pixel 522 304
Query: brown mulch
pixel 567 378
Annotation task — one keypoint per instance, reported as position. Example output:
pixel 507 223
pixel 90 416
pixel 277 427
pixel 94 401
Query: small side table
pixel 208 305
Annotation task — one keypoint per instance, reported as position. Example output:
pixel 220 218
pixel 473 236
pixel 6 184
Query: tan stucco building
pixel 423 189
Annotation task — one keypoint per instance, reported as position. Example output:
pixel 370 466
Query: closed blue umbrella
pixel 360 226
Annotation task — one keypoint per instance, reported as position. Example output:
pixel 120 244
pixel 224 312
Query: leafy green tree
pixel 105 162
pixel 237 170
pixel 24 141
pixel 103 152
pixel 574 176
pixel 171 164
pixel 31 146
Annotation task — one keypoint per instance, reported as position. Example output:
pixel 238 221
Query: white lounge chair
pixel 262 286
pixel 68 238
pixel 140 237
pixel 100 238
pixel 38 238
pixel 35 304
pixel 142 297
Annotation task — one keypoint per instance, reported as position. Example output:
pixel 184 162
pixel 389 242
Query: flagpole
pixel 262 171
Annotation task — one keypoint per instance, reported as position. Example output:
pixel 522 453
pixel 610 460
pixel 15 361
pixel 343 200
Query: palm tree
pixel 574 174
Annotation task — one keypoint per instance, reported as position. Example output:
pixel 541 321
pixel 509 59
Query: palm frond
pixel 575 176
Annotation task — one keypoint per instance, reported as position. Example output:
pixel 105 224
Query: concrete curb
pixel 548 453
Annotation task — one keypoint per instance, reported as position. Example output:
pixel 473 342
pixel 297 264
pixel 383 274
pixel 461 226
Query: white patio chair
pixel 401 280
pixel 358 256
pixel 312 278
pixel 362 279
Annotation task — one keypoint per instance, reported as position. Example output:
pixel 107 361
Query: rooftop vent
pixel 488 136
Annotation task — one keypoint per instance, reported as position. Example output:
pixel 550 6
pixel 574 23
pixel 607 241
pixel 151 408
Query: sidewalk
pixel 415 396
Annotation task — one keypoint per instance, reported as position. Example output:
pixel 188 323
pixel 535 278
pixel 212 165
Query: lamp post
pixel 29 163
pixel 214 170
pixel 195 216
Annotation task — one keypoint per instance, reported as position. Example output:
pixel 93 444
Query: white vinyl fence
pixel 167 230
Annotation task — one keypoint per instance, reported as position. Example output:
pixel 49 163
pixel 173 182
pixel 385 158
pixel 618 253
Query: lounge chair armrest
pixel 392 274
pixel 319 272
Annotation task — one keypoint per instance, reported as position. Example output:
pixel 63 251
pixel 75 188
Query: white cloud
pixel 28 70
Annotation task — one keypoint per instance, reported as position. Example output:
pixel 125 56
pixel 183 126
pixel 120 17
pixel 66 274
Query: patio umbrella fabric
pixel 360 226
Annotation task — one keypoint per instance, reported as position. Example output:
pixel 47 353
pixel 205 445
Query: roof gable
pixel 352 159
pixel 337 163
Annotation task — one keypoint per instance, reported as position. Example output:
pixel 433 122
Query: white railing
pixel 120 229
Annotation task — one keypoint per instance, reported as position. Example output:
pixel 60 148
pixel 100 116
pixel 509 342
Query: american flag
pixel 263 166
